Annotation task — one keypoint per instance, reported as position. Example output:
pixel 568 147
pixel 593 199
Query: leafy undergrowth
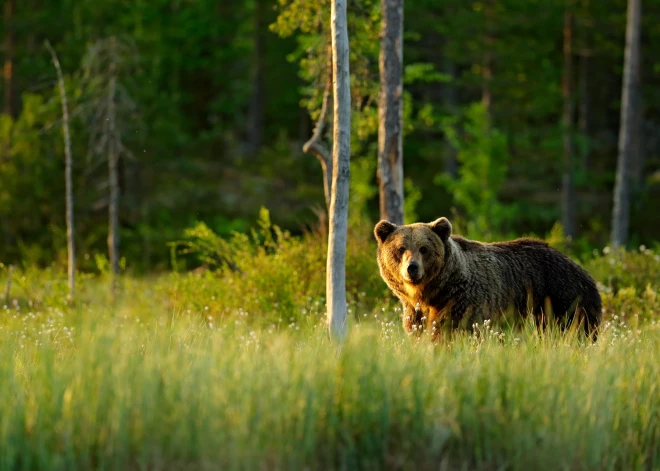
pixel 617 269
pixel 269 278
pixel 230 367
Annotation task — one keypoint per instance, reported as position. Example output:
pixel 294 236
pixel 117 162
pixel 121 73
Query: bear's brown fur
pixel 447 281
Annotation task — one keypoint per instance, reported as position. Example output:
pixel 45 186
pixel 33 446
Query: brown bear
pixel 445 281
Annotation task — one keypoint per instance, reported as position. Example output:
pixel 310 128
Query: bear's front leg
pixel 413 319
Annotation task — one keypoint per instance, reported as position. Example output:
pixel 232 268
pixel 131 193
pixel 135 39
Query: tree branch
pixel 315 144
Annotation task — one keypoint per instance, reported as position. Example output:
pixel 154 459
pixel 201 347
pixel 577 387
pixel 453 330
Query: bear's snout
pixel 413 272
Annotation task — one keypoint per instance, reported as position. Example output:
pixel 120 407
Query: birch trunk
pixel 390 113
pixel 338 224
pixel 629 108
pixel 67 176
pixel 568 186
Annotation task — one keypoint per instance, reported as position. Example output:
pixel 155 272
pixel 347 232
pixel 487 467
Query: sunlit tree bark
pixel 341 147
pixel 390 113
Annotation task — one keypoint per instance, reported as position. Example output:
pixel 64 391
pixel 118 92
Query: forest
pixel 194 195
pixel 215 101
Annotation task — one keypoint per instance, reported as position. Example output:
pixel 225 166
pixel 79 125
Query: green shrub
pixel 617 269
pixel 483 156
pixel 631 305
pixel 270 276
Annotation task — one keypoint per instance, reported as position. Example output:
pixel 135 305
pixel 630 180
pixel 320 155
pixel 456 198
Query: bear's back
pixel 468 245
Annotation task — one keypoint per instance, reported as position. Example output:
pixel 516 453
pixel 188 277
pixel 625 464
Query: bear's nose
pixel 413 268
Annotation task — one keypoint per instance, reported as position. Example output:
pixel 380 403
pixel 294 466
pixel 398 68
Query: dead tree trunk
pixel 113 201
pixel 67 176
pixel 112 113
pixel 390 113
pixel 568 186
pixel 113 173
pixel 341 148
pixel 629 108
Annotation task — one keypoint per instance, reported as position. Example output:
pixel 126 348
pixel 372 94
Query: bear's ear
pixel 442 227
pixel 383 229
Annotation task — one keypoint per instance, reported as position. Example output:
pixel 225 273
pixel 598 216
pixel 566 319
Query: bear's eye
pixel 424 250
pixel 402 250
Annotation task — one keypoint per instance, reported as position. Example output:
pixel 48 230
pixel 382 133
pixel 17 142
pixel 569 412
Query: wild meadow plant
pixel 211 371
pixel 142 389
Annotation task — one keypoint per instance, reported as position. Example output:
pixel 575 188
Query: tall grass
pixel 231 369
pixel 115 392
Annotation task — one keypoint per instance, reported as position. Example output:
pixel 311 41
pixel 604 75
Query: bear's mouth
pixel 413 281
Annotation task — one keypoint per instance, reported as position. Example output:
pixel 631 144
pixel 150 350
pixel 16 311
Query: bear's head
pixel 412 253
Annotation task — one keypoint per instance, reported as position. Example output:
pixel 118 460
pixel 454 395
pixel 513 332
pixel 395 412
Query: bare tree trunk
pixel 629 108
pixel 584 118
pixel 315 143
pixel 638 155
pixel 113 176
pixel 113 218
pixel 256 124
pixel 106 62
pixel 390 112
pixel 67 176
pixel 568 187
pixel 341 148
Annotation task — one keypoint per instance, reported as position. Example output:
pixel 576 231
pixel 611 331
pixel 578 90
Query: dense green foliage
pixel 217 356
pixel 214 352
pixel 225 93
pixel 272 278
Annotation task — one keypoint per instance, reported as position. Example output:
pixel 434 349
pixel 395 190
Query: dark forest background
pixel 217 99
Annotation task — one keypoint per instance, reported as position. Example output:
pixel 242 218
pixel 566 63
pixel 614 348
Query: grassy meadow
pixel 231 368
